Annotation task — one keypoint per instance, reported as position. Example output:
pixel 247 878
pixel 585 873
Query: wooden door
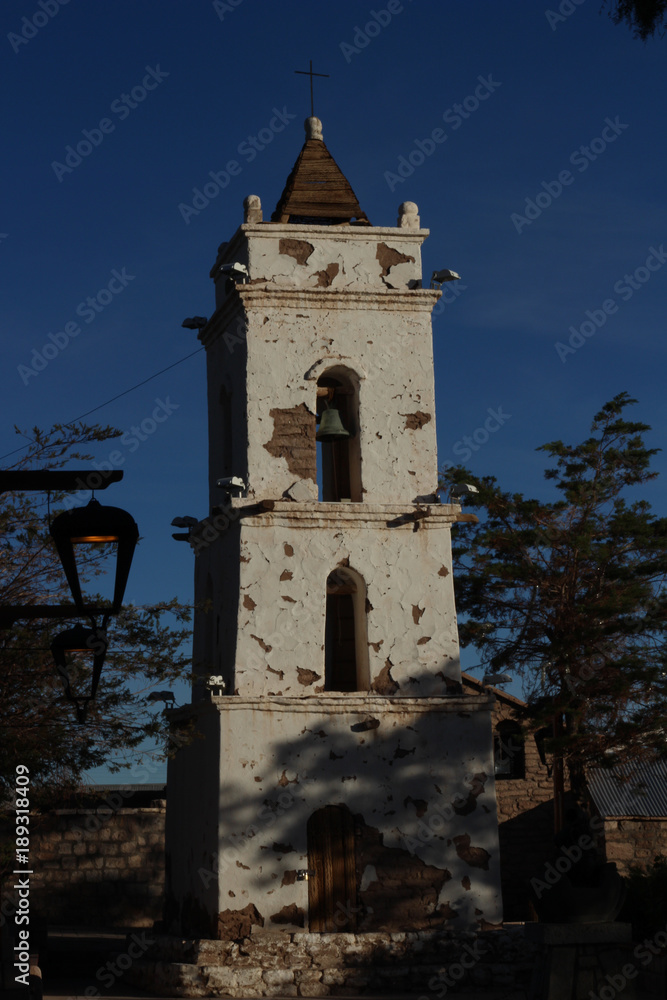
pixel 332 890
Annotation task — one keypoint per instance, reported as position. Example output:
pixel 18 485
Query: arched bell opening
pixel 337 437
pixel 345 645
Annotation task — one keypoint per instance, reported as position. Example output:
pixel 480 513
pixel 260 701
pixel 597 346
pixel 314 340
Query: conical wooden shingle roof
pixel 317 190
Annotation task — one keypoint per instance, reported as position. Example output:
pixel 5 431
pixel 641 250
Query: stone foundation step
pixel 311 965
pixel 179 980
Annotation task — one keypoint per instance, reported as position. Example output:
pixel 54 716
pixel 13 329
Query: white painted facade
pixel 406 753
pixel 277 335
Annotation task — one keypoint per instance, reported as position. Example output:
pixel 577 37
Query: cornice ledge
pixel 361 515
pixel 278 230
pixel 361 704
pixel 266 294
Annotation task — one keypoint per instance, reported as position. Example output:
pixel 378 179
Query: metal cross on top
pixel 309 72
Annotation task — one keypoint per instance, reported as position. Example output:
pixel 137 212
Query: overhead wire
pixel 113 398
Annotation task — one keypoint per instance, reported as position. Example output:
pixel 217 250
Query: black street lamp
pixel 92 525
pixel 78 654
pixel 95 525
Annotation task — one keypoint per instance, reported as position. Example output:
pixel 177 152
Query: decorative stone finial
pixel 252 208
pixel 408 217
pixel 313 128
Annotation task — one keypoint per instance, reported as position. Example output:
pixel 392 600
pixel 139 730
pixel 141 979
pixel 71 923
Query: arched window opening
pixel 508 751
pixel 338 457
pixel 345 646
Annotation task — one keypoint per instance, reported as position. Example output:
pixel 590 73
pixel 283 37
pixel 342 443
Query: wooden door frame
pixel 332 888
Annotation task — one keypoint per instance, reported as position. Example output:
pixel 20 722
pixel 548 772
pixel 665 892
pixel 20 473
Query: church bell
pixel 331 427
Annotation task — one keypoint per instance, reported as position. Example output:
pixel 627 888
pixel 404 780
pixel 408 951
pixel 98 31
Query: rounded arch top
pixel 346 648
pixel 345 574
pixel 336 367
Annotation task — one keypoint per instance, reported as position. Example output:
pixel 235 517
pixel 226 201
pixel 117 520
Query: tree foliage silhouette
pixel 570 593
pixel 38 727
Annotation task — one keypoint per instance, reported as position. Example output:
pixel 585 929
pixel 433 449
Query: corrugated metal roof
pixel 630 789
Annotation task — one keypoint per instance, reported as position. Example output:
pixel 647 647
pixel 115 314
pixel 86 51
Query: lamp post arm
pixel 50 480
pixel 10 614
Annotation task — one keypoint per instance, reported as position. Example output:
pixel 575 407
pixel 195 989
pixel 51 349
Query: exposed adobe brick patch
pixel 443 571
pixel 406 887
pixel 298 249
pixel 415 421
pixel 282 848
pixel 384 683
pixel 289 551
pixel 286 575
pixel 291 914
pixel 476 857
pixel 388 258
pixel 293 439
pixel 289 877
pixel 237 924
pixel 324 278
pixel 306 677
pixel 248 603
pixel 417 612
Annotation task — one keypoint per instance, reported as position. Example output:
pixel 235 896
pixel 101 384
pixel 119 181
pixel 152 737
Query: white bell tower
pixel 340 780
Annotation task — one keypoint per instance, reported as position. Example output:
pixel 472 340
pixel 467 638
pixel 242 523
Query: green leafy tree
pixel 644 17
pixel 38 727
pixel 570 593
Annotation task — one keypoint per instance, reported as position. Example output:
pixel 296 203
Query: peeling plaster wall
pixel 268 623
pixel 296 256
pixel 290 324
pixel 419 785
pixel 412 759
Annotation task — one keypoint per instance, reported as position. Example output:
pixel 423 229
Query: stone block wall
pixel 634 841
pixel 98 867
pixel 317 965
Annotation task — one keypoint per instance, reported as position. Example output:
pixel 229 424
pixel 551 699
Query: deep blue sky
pixel 218 76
